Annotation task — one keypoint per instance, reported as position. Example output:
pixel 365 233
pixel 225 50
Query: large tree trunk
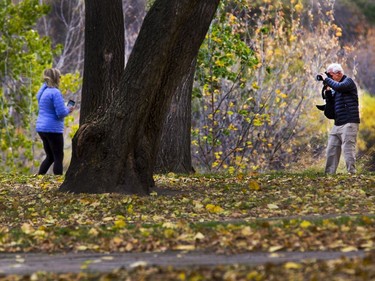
pixel 116 151
pixel 104 57
pixel 174 154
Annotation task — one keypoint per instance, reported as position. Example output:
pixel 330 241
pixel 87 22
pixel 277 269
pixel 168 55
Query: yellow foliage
pixel 254 185
pixel 367 127
pixel 298 7
pixel 305 224
pixel 120 223
pixel 255 86
pixel 214 209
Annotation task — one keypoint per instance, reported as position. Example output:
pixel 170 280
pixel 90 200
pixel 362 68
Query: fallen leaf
pixel 292 265
pixel 272 206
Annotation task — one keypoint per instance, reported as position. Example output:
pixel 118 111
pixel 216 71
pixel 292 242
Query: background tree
pixel 255 92
pixel 64 24
pixel 244 28
pixel 23 56
pixel 115 150
pixel 134 12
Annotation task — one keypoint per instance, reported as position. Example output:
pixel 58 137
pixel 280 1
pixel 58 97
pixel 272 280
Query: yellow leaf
pixel 292 265
pixel 246 231
pixel 368 245
pixel 81 248
pixel 272 206
pixel 254 275
pixel 298 7
pixel 117 240
pixel 199 236
pixel 197 205
pixel 169 233
pixel 138 264
pixel 305 224
pixel 253 185
pixel 27 228
pixel 93 232
pixel 182 276
pixel 275 248
pixel 39 233
pixel 210 208
pixel 218 210
pixel 107 258
pixel 169 225
pixel 120 223
pixel 367 220
pixel 219 63
pixel 349 249
pixel 130 209
pixel 184 247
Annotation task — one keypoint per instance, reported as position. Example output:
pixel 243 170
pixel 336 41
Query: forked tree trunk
pixel 116 151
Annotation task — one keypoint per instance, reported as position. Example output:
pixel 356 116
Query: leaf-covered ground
pixel 272 212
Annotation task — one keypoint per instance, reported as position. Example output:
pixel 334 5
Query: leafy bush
pixel 255 95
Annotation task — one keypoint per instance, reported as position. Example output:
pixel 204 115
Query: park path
pixel 28 263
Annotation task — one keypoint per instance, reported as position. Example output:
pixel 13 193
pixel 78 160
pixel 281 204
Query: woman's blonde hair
pixel 52 77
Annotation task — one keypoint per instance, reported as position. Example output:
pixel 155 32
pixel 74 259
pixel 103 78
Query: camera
pixel 320 77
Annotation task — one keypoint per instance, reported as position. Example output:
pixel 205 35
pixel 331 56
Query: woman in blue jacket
pixel 50 122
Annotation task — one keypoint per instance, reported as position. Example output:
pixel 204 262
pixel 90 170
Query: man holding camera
pixel 346 115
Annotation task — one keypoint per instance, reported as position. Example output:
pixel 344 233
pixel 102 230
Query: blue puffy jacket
pixel 345 99
pixel 52 110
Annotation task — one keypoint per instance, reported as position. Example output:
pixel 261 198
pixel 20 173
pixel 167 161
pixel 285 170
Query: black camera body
pixel 320 77
pixel 329 107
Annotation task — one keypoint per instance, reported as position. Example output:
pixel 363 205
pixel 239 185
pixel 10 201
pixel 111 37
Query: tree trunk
pixel 174 154
pixel 104 57
pixel 114 150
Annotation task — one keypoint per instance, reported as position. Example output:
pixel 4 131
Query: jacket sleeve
pixel 345 86
pixel 59 104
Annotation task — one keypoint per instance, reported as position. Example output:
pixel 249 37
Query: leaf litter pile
pixel 226 215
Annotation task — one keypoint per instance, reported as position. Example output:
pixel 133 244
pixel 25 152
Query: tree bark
pixel 114 150
pixel 104 57
pixel 174 154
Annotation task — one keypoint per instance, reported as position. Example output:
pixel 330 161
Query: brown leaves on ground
pixel 223 214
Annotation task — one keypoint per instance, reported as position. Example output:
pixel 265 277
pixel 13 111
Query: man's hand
pixel 324 76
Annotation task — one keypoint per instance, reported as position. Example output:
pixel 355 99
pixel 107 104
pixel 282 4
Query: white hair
pixel 335 68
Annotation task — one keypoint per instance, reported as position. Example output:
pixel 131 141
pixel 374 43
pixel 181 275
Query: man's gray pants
pixel 344 137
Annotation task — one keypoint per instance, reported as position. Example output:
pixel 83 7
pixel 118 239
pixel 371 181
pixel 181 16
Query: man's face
pixel 335 76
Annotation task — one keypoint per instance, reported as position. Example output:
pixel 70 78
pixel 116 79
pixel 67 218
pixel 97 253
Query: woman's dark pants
pixel 53 144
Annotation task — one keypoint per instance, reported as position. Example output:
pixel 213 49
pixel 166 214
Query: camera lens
pixel 319 77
